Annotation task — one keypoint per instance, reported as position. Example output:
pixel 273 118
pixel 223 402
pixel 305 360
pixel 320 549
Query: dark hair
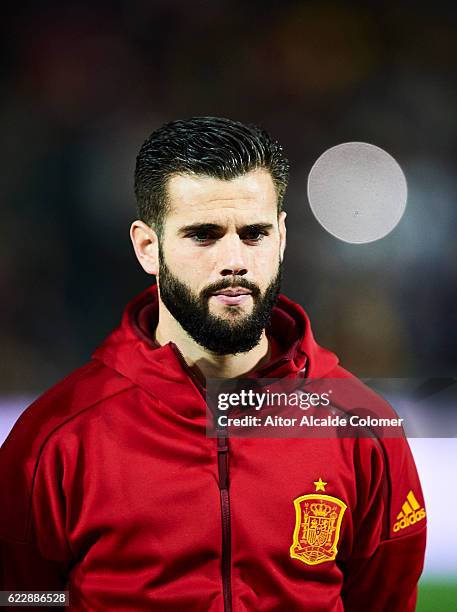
pixel 210 146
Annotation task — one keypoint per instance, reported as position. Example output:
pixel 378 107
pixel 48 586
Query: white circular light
pixel 357 192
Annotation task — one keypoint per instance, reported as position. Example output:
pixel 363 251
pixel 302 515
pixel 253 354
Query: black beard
pixel 218 335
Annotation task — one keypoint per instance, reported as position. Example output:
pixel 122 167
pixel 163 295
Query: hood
pixel 131 351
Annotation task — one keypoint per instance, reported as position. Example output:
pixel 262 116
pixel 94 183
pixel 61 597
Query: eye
pixel 254 235
pixel 201 237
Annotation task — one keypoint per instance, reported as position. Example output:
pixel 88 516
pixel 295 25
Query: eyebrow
pixel 215 227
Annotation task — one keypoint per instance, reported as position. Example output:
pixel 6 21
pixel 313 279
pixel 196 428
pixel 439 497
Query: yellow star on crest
pixel 320 484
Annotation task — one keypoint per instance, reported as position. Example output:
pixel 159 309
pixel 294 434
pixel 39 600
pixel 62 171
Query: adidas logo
pixel 411 513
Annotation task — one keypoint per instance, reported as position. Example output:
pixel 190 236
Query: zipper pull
pixel 222 461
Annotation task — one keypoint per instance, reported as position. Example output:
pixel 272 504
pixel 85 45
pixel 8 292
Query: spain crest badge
pixel 318 520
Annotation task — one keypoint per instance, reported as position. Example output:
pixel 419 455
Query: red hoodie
pixel 112 490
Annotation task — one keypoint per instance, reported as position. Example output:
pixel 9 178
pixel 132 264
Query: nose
pixel 231 256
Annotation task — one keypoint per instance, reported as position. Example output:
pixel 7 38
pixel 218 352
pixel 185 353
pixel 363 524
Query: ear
pixel 146 246
pixel 282 233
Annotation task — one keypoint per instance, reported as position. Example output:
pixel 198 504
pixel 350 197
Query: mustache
pixel 229 283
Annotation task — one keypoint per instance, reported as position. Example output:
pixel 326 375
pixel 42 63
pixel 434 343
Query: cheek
pixel 265 264
pixel 190 267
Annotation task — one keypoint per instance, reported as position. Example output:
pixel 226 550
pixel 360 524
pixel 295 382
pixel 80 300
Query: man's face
pixel 220 258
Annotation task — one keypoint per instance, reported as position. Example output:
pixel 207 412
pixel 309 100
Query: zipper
pixel 223 477
pixel 222 462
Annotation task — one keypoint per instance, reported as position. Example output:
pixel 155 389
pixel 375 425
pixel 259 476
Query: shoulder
pixel 383 448
pixel 78 392
pixel 352 395
pixel 72 398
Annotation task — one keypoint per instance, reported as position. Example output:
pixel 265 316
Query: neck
pixel 205 363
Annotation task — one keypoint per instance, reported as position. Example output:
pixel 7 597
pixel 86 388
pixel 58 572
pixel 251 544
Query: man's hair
pixel 208 146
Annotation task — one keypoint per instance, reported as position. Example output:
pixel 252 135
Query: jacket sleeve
pixel 387 556
pixel 34 553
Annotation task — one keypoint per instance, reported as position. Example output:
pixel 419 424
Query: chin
pixel 226 311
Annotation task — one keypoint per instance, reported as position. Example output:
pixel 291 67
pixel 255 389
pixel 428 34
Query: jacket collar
pixel 130 349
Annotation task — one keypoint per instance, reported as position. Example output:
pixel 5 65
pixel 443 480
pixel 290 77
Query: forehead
pixel 203 198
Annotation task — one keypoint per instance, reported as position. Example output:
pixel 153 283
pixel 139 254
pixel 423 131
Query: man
pixel 111 488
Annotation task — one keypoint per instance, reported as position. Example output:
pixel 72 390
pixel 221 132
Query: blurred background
pixel 84 83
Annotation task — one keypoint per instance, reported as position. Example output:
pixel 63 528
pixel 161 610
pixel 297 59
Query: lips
pixel 232 297
pixel 232 292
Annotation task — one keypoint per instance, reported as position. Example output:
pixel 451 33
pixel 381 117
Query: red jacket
pixel 112 490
